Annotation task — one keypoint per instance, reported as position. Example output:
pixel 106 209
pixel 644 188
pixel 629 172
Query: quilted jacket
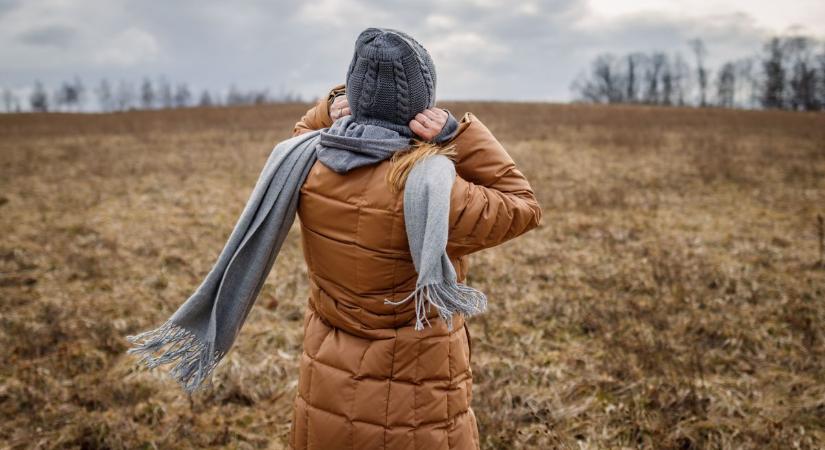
pixel 367 379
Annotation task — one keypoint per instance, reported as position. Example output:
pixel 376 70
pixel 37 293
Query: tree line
pixel 73 95
pixel 788 73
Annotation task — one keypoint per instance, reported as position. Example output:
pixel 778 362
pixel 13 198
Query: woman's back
pixel 355 243
pixel 367 378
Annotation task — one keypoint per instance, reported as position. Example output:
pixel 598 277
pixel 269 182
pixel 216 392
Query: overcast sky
pixel 483 49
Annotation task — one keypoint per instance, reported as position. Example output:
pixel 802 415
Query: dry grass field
pixel 672 298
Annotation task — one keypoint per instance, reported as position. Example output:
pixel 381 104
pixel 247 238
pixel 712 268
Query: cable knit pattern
pixel 401 92
pixel 392 78
pixel 428 78
pixel 425 64
pixel 370 81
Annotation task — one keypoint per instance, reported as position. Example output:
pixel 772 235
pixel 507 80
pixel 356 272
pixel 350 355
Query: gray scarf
pixel 202 330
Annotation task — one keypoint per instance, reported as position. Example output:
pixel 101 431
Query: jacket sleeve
pixel 318 116
pixel 491 201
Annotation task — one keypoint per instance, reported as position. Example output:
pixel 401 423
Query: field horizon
pixel 673 297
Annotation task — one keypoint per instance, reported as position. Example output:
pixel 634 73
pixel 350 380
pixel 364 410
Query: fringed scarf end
pixel 193 359
pixel 447 298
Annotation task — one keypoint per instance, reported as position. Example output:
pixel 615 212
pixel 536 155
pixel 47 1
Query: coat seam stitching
pixel 309 395
pixel 352 408
pixel 415 389
pixel 450 419
pixel 389 389
pixel 390 254
pixel 395 264
pixel 443 423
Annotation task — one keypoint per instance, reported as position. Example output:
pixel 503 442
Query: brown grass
pixel 671 299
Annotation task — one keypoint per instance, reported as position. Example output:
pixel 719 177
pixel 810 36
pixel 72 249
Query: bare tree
pixel 681 74
pixel 699 52
pixel 603 84
pixel 821 88
pixel 726 85
pixel 774 73
pixel 68 95
pixel 80 91
pixel 71 95
pixel 260 97
pixel 206 99
pixel 147 94
pixel 234 97
pixel 183 96
pixel 668 87
pixel 802 82
pixel 632 78
pixel 653 74
pixel 165 96
pixel 39 99
pixel 104 95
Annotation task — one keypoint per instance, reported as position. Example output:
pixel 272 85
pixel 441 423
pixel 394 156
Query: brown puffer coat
pixel 367 379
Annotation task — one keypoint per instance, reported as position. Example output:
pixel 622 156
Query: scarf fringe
pixel 194 359
pixel 448 298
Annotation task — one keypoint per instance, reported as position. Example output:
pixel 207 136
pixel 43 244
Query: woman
pixel 369 379
pixel 392 196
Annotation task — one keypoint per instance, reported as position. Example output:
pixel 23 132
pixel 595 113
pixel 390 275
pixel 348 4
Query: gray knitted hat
pixel 391 79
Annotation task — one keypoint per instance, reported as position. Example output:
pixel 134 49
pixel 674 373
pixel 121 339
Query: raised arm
pixel 318 116
pixel 491 202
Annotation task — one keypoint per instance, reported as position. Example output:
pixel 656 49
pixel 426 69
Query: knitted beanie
pixel 391 78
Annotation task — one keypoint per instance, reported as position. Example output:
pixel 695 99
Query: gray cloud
pixel 59 36
pixel 483 49
pixel 7 5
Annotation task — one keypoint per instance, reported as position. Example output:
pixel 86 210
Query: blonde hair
pixel 402 162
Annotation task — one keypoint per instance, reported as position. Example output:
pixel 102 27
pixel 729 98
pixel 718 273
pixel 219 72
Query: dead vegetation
pixel 673 298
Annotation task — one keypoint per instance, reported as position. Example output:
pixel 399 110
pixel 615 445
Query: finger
pixel 431 114
pixel 419 129
pixel 440 113
pixel 423 119
pixel 345 111
pixel 434 128
pixel 438 122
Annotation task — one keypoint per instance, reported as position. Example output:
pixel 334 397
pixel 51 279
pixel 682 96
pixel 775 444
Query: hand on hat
pixel 429 123
pixel 339 108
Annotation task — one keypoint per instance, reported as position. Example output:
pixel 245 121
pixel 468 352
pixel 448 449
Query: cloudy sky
pixel 483 49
